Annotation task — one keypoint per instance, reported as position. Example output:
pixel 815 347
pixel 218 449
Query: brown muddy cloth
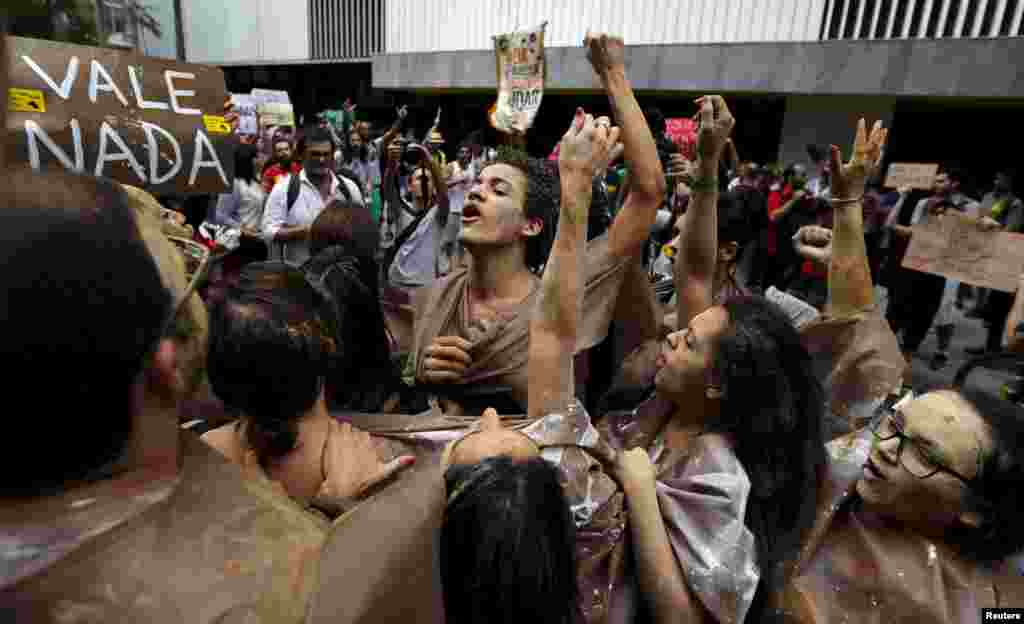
pixel 199 544
pixel 500 347
pixel 859 362
pixel 857 568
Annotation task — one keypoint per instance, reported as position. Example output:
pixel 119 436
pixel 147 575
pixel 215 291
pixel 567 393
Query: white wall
pixel 245 31
pixel 415 26
pixel 826 120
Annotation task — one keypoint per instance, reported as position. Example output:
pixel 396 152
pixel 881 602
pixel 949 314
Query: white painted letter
pixel 33 133
pixel 197 162
pixel 137 88
pixel 102 158
pixel 154 153
pixel 64 90
pixel 108 84
pixel 169 76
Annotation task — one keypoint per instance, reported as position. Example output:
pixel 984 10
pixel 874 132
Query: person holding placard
pixel 917 298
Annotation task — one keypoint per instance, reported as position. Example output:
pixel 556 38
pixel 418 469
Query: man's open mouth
pixel 470 212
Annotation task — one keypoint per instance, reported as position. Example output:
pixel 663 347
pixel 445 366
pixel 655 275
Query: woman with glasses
pixel 920 513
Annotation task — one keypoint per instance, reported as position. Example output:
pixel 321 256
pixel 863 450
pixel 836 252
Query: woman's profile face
pixel 687 354
pixel 943 435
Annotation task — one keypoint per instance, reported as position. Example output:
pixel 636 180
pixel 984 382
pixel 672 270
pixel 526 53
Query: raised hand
pixel 606 53
pixel 351 464
pixel 848 180
pixel 402 112
pixel 587 144
pixel 814 243
pixel 716 124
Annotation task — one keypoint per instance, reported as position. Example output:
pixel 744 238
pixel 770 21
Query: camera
pixel 410 154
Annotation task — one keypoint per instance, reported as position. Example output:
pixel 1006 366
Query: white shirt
pixel 242 208
pixel 308 206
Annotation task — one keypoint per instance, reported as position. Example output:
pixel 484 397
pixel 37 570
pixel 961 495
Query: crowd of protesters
pixel 626 382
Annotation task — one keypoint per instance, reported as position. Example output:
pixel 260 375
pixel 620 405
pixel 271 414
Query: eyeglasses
pixel 909 453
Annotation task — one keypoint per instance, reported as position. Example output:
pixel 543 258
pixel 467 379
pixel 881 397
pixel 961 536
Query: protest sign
pixel 274 107
pixel 952 245
pixel 683 132
pixel 148 122
pixel 245 105
pixel 276 114
pixel 268 96
pixel 914 175
pixel 522 70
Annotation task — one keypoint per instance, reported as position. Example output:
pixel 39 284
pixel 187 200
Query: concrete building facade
pixel 808 66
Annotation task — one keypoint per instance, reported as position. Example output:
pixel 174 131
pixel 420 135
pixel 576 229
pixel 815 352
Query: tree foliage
pixel 76 21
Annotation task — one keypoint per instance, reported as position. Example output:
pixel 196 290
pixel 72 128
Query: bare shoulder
pixel 224 440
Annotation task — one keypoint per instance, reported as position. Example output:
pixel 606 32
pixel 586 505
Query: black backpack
pixel 295 187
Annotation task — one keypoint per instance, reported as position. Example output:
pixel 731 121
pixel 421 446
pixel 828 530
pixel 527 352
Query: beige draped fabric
pixel 500 348
pixel 859 362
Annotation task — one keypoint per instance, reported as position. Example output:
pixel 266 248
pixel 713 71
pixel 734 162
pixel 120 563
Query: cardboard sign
pixel 148 122
pixel 683 132
pixel 914 175
pixel 245 106
pixel 522 70
pixel 267 96
pixel 274 108
pixel 276 114
pixel 952 245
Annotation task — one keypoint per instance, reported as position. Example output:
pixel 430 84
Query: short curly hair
pixel 542 198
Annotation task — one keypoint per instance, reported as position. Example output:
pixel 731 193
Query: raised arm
pixel 633 223
pixel 554 326
pixel 694 270
pixel 395 128
pixel 850 289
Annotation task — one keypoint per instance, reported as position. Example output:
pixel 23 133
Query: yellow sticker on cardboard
pixel 216 124
pixel 26 101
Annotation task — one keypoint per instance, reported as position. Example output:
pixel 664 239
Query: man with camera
pixel 417 250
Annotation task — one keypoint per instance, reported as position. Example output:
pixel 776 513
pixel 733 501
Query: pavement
pixel 968 333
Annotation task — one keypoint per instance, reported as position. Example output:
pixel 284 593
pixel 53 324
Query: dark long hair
pixel 997 494
pixel 508 545
pixel 269 350
pixel 772 408
pixel 343 243
pixel 244 169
